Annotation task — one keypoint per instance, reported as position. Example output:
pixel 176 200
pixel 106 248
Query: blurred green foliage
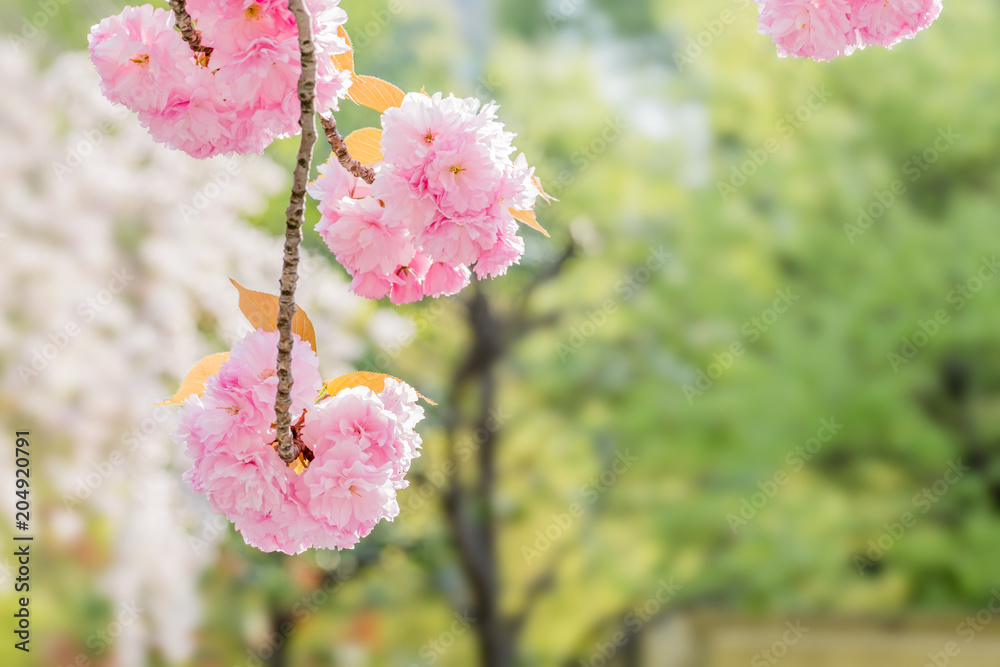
pixel 563 79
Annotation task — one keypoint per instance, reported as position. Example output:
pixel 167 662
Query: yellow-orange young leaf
pixel 344 61
pixel 261 310
pixel 365 145
pixel 545 195
pixel 194 381
pixel 374 381
pixel 528 218
pixel 374 93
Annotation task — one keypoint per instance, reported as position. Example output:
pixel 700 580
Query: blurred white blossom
pixel 116 259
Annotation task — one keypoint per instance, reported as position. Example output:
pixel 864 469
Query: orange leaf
pixel 528 218
pixel 194 382
pixel 545 195
pixel 344 61
pixel 374 381
pixel 365 145
pixel 261 310
pixel 374 93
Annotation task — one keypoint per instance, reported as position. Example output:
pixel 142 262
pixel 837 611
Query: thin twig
pixel 367 174
pixel 539 586
pixel 295 217
pixel 190 34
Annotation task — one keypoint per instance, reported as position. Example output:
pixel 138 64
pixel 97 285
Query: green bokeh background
pixel 588 382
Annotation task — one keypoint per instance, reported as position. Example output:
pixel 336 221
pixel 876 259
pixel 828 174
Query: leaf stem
pixel 295 217
pixel 367 174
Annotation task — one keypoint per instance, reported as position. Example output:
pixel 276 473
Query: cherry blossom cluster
pixel 235 97
pixel 440 206
pixel 825 29
pixel 356 447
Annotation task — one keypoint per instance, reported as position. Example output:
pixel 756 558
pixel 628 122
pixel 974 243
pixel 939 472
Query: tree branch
pixel 295 217
pixel 473 556
pixel 190 34
pixel 367 174
pixel 541 585
pixel 544 276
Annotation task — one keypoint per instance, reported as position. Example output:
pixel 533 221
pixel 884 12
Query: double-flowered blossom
pixel 356 446
pixel 826 29
pixel 236 97
pixel 440 206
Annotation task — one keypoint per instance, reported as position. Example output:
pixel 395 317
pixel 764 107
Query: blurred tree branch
pixel 470 510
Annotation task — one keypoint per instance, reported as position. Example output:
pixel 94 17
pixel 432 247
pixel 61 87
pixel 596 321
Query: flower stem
pixel 295 217
pixel 190 34
pixel 367 174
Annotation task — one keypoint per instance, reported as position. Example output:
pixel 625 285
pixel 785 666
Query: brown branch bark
pixel 190 34
pixel 295 217
pixel 367 174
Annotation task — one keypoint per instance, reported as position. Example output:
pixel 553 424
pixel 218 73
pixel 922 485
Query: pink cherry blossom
pixel 336 183
pixel 347 495
pixel 458 240
pixel 358 424
pixel 405 197
pixel 232 417
pixel 363 239
pixel 817 29
pixel 252 366
pixel 287 530
pixel 402 401
pixel 462 175
pixel 413 130
pixel 507 250
pixel 362 452
pixel 371 285
pixel 237 409
pixel 446 279
pixel 197 122
pixel 350 425
pixel 826 29
pixel 252 485
pixel 238 99
pixel 188 434
pixel 407 286
pixel 886 22
pixel 440 204
pixel 260 75
pixel 357 447
pixel 141 59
